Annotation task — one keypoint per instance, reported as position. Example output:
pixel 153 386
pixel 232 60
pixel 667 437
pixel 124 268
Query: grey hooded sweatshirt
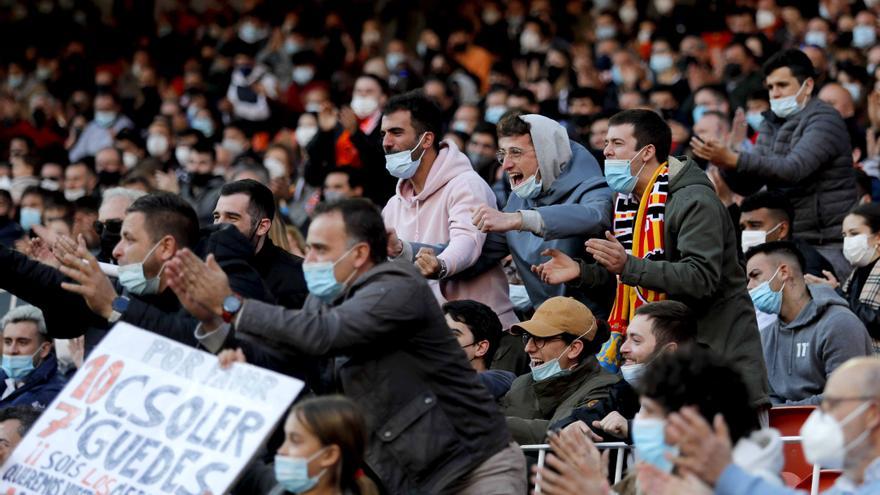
pixel 800 355
pixel 574 205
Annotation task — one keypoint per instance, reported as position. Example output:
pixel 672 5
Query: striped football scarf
pixel 638 225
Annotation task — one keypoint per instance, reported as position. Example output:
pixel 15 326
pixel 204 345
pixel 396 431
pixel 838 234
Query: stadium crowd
pixel 466 226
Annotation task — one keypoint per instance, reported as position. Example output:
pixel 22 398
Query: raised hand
pixel 559 269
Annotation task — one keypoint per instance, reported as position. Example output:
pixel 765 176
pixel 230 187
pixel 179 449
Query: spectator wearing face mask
pixel 323 452
pixel 841 434
pixel 160 144
pixel 803 151
pixel 861 238
pixel 815 333
pixel 478 331
pixel 99 132
pixel 683 388
pixel 202 187
pixel 252 89
pixel 561 339
pixel 768 216
pixel 352 137
pixel 437 190
pixel 656 329
pixel 30 369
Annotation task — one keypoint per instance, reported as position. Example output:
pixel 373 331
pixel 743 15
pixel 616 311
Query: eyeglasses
pixel 112 226
pixel 539 342
pixel 513 153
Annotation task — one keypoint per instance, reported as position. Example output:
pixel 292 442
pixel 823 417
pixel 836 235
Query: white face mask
pixel 751 238
pixel 401 164
pixel 858 251
pixel 364 106
pixel 633 373
pixel 181 154
pixel 824 441
pixel 157 145
pixel 765 19
pixel 304 135
pixel 787 105
pixel 816 38
pixel 129 159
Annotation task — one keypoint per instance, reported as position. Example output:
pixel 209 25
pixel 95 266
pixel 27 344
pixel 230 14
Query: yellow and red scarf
pixel 638 225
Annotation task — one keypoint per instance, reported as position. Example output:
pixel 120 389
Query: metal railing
pixel 622 449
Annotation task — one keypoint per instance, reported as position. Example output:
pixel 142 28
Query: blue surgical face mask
pixel 661 62
pixel 552 368
pixel 293 473
pixel 648 438
pixel 493 114
pixel 133 278
pixel 104 118
pixel 28 217
pixel 766 299
pixel 754 119
pixel 698 112
pixel 321 279
pixel 529 188
pixel 204 125
pixel 619 176
pixel 863 36
pixel 18 367
pixel 401 164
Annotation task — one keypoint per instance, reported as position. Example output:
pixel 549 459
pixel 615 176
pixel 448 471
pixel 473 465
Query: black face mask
pixel 459 47
pixel 581 120
pixel 553 73
pixel 39 117
pixel 200 180
pixel 732 71
pixel 109 179
pixel 110 234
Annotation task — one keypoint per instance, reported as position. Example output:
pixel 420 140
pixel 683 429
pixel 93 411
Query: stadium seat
pixel 788 420
pixel 827 477
pixel 791 480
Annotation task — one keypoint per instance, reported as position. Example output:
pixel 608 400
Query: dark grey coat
pixel 430 419
pixel 807 157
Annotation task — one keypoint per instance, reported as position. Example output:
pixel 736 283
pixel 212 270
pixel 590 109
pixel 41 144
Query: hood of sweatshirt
pixel 823 298
pixel 450 163
pixel 551 147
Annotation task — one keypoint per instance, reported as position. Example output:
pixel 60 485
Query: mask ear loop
pixel 592 328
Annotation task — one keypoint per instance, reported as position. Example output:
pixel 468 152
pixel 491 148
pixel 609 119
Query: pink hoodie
pixel 441 214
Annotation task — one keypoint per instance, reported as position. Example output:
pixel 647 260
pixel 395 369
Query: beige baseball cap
pixel 560 315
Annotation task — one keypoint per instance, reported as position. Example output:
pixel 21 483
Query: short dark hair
pixel 383 85
pixel 671 321
pixel 796 61
pixel 486 128
pixel 771 200
pixel 26 415
pixel 424 114
pixel 204 146
pixel 592 94
pixel 363 223
pixel 34 190
pixel 355 176
pixel 871 213
pixel 168 214
pixel 694 376
pixel 512 124
pixel 481 320
pixel 787 249
pixel 648 128
pixel 88 162
pixel 262 201
pixel 528 94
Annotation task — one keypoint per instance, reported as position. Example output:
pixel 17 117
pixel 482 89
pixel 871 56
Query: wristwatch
pixel 443 270
pixel 118 307
pixel 231 306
